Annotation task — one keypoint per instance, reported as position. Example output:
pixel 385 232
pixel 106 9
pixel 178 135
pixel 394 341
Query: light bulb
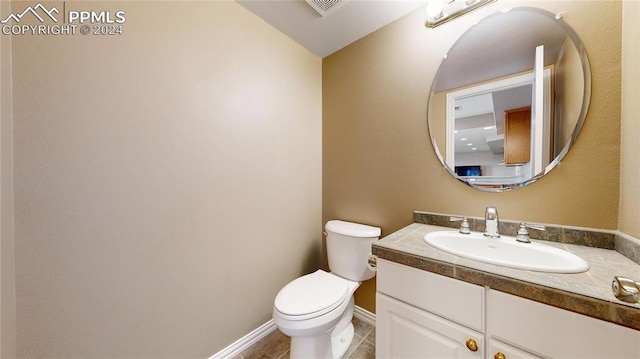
pixel 434 9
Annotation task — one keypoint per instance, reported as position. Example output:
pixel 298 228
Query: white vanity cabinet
pixel 556 333
pixel 424 315
pixel 415 321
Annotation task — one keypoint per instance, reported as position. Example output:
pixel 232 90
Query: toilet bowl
pixel 316 310
pixel 310 308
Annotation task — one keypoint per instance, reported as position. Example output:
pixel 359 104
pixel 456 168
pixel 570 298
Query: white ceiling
pixel 351 20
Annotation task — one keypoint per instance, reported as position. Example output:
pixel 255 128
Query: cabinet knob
pixel 472 345
pixel 499 355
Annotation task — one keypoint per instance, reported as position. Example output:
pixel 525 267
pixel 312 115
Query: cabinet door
pixel 404 331
pixel 517 136
pixel 496 347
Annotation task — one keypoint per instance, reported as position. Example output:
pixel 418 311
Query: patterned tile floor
pixel 276 345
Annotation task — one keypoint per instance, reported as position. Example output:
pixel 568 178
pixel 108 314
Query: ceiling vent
pixel 325 7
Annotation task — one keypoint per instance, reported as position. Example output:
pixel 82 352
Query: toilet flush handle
pixel 372 262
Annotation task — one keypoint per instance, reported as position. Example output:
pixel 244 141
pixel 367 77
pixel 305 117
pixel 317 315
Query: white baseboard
pixel 364 315
pixel 245 342
pixel 242 344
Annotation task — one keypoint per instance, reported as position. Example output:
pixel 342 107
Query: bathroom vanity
pixel 431 304
pixel 440 297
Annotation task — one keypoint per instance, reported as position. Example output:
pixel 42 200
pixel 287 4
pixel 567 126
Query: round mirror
pixel 509 99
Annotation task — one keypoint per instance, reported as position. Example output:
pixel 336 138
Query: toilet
pixel 316 309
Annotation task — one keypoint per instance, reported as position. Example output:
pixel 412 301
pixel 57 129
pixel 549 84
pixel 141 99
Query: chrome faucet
pixel 491 222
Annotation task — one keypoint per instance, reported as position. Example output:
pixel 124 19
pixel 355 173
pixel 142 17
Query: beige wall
pixel 378 162
pixel 629 222
pixel 167 182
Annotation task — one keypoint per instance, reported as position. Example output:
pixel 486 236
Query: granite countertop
pixel 587 293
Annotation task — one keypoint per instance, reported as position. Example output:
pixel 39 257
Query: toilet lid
pixel 316 293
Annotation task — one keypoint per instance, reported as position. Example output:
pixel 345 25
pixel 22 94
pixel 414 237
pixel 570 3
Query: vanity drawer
pixel 455 300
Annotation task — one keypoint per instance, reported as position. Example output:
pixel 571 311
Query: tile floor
pixel 276 345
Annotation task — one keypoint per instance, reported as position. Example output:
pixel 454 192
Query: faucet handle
pixel 626 289
pixel 523 234
pixel 464 226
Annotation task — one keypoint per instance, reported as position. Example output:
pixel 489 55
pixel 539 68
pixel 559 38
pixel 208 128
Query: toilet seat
pixel 311 296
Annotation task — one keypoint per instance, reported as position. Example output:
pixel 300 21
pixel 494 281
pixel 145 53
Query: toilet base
pixel 340 343
pixel 317 346
pixel 342 334
pixel 327 345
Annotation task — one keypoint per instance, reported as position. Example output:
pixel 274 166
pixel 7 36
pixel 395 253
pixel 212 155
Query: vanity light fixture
pixel 441 11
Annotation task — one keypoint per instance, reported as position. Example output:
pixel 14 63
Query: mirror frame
pixel 499 187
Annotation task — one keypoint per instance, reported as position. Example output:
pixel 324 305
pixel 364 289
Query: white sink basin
pixel 506 251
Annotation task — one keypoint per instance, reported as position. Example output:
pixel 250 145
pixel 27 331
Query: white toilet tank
pixel 348 245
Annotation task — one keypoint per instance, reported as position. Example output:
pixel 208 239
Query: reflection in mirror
pixel 509 99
